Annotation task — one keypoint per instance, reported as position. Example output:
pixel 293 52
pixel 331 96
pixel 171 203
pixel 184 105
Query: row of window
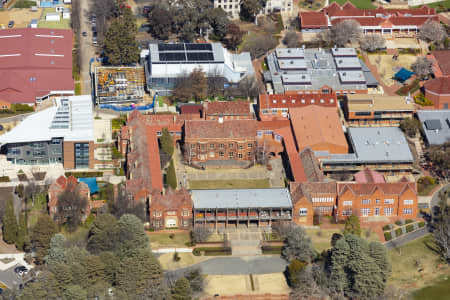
pixel 184 213
pixel 221 154
pixel 221 146
pixel 323 199
pixel 377 201
pixel 388 211
pixel 303 101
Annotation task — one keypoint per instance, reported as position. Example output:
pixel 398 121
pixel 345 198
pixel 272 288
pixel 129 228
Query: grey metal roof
pixel 289 64
pixel 241 198
pixel 352 77
pixel 343 51
pixel 290 52
pixel 434 134
pixel 347 62
pixel 375 144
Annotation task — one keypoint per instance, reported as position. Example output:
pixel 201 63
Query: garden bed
pixel 211 251
pixel 84 174
pixel 406 89
pixel 422 100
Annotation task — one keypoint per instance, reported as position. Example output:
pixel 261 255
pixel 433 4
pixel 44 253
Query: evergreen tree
pixel 298 245
pixel 171 176
pixel 111 264
pixel 56 252
pixel 103 234
pixel 10 227
pixel 378 252
pixel 352 226
pixel 95 270
pixel 75 292
pixel 294 269
pixel 166 142
pixel 42 233
pixel 23 240
pixel 182 290
pixel 338 261
pixel 132 236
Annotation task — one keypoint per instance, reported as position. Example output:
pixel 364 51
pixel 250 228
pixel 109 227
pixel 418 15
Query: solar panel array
pixel 185 52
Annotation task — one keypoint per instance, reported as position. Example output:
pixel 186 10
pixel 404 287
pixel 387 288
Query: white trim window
pixel 347 212
pixel 347 203
pixel 388 211
pixel 365 212
pixel 303 211
pixel 388 201
pixel 408 202
pixel 407 211
pixel 365 201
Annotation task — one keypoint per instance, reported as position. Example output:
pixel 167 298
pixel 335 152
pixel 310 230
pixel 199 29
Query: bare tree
pixel 422 67
pixel 262 156
pixel 215 83
pixel 71 206
pixel 372 42
pixel 432 31
pixel 344 32
pixel 75 16
pixel 31 190
pixel 442 233
pixel 259 44
pixel 200 234
pixel 291 39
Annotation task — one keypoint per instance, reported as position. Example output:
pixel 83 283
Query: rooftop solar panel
pixel 201 47
pixel 200 56
pixel 433 124
pixel 172 56
pixel 170 47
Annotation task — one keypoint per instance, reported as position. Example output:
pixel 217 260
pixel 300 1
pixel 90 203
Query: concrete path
pixel 435 197
pixel 406 238
pixel 17 118
pixel 18 260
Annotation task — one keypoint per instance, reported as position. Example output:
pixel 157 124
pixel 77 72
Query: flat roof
pixel 366 102
pixel 375 144
pixel 347 62
pixel 71 119
pixel 296 78
pixel 287 64
pixel 343 51
pixel 352 76
pixel 436 125
pixel 290 52
pixel 241 198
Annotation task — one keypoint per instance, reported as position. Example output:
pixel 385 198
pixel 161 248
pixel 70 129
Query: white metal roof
pixel 74 123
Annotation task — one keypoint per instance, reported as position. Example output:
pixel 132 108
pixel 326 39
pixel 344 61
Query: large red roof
pixel 440 85
pixel 443 61
pixel 33 62
pixel 313 19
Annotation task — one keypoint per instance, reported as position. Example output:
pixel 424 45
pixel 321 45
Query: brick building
pixel 232 141
pixel 377 110
pixel 71 184
pixel 172 210
pixel 228 110
pixel 277 106
pixel 438 91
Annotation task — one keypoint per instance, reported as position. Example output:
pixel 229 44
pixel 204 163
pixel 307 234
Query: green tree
pixel 95 270
pixel 103 234
pixel 410 126
pixel 171 176
pixel 121 47
pixel 111 264
pixel 298 245
pixel 23 240
pixel 42 233
pixel 131 236
pixel 219 22
pixel 167 147
pixel 160 22
pixel 181 290
pixel 378 253
pixel 10 227
pixel 56 252
pixel 352 226
pixel 294 268
pixel 195 279
pixel 43 288
pixel 250 9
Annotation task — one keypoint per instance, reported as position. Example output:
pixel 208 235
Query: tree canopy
pixel 43 231
pixel 298 245
pixel 10 227
pixel 352 226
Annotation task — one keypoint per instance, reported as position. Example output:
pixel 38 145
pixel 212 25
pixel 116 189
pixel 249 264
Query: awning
pixel 91 183
pixel 403 74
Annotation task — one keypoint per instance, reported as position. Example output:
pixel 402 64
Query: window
pixel 230 155
pixel 221 154
pixel 388 201
pixel 171 213
pixel 408 202
pixel 157 213
pixel 230 146
pixel 185 223
pixel 249 154
pixel 221 146
pixel 303 212
pixel 377 201
pixel 407 211
pixel 377 211
pixel 81 155
pixel 185 213
pixel 347 203
pixel 241 147
pixel 347 212
pixel 365 201
pixel 365 211
pixel 240 156
pixel 388 211
pixel 250 145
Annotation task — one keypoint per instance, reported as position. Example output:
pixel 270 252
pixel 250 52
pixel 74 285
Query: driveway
pixel 404 239
pixel 435 197
pixel 10 279
pixel 86 47
pixel 243 265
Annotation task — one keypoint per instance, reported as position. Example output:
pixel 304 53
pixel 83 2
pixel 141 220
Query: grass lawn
pixel 163 240
pixel 229 184
pixel 416 265
pixel 315 5
pixel 427 190
pixel 440 6
pixel 438 291
pixel 321 238
pixel 62 24
pixel 357 3
pixel 40 207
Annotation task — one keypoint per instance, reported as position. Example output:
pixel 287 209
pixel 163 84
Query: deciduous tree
pixel 422 67
pixel 251 8
pixel 71 206
pixel 372 42
pixel 291 39
pixel 191 87
pixel 352 226
pixel 432 31
pixel 258 44
pixel 410 126
pixel 234 36
pixel 160 20
pixel 344 32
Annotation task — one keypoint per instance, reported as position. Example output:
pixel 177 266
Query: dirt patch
pixel 21 16
pixel 387 67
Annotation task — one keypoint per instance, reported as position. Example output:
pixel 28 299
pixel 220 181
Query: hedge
pixel 409 221
pixel 398 232
pixel 421 224
pixel 399 223
pixel 406 89
pixel 84 174
pixel 386 227
pixel 422 100
pixel 387 236
pixel 409 228
pixel 212 251
pixel 4 179
pixel 271 249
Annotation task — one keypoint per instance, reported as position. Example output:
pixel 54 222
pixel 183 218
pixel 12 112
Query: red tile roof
pixel 443 61
pixel 440 85
pixel 172 200
pixel 349 10
pixel 195 109
pixel 33 62
pixel 296 100
pixel 388 188
pixel 227 108
pixel 369 176
pixel 313 20
pixel 228 129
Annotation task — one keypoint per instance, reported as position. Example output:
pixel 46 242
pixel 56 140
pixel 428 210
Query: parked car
pixel 11 24
pixel 21 270
pixel 94 40
pixel 84 33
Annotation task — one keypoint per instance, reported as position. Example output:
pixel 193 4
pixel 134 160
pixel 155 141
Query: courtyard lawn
pixel 357 3
pixel 321 238
pixel 163 240
pixel 438 291
pixel 440 6
pixel 229 184
pixel 39 208
pixel 417 264
pixel 61 24
pixel 311 4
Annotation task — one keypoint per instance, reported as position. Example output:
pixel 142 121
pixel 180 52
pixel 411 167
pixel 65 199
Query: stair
pixel 245 247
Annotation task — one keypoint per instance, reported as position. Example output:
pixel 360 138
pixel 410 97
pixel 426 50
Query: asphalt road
pixel 404 239
pixel 87 49
pixel 9 278
pixel 16 118
pixel 244 265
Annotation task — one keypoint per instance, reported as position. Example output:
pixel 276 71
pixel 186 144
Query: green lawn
pixel 438 291
pixel 161 240
pixel 316 4
pixel 40 207
pixel 427 190
pixel 416 264
pixel 77 88
pixel 440 6
pixel 62 24
pixel 357 3
pixel 229 184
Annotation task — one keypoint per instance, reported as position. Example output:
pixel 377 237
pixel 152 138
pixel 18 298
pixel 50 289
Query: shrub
pixel 409 228
pixel 404 90
pixel 4 179
pixel 84 174
pixel 171 236
pixel 422 100
pixel 398 222
pixel 421 224
pixel 271 249
pixel 196 252
pixel 409 221
pixel 213 251
pixel 24 4
pixel 398 232
pixel 387 236
pixel 386 227
pixel 176 256
pixel 24 108
pixel 115 154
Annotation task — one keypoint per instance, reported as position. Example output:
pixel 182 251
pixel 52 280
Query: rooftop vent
pixel 289 51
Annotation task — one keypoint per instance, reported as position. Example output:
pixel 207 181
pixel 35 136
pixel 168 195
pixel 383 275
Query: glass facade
pixel 81 155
